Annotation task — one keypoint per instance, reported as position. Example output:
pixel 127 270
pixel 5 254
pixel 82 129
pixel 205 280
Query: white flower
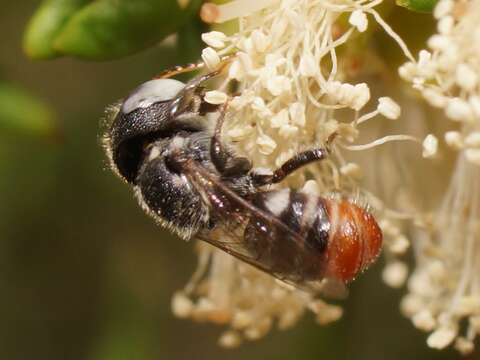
pixel 352 169
pixel 445 25
pixel 444 284
pixel 473 139
pixel 348 95
pixel 466 77
pixel 395 274
pixel 215 97
pixel 458 109
pixel 260 41
pixel 443 8
pixel 308 67
pixel 290 85
pixel 215 39
pixel 230 339
pixel 266 144
pixel 182 306
pixel 388 108
pixel 278 85
pixel 360 96
pixel 359 20
pixel 430 146
pixel 454 139
pixel 464 345
pixel 473 155
pixel 210 58
pixel 399 244
pixel 424 320
pixel 442 337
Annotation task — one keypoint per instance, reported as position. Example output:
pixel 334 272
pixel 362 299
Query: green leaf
pixel 418 5
pixel 109 29
pixel 46 24
pixel 190 42
pixel 23 113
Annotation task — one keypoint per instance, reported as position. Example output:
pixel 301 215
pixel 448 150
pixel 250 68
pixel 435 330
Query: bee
pixel 165 142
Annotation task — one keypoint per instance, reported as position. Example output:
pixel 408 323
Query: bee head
pixel 156 109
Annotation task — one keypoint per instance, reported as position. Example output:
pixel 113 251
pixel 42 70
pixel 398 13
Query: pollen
pixel 215 97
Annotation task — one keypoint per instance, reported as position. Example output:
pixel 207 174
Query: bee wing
pixel 232 214
pixel 233 245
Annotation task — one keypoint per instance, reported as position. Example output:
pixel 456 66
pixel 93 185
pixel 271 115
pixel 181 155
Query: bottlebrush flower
pixel 292 95
pixel 445 285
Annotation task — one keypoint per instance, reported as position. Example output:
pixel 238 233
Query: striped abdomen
pixel 335 238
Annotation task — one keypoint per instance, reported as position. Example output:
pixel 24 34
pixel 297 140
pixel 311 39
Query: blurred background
pixel 84 274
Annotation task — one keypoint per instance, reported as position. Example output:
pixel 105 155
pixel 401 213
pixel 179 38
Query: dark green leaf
pixel 21 112
pixel 46 24
pixel 418 5
pixel 108 29
pixel 190 42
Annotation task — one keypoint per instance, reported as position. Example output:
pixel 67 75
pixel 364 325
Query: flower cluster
pixel 291 95
pixel 231 292
pixel 448 75
pixel 444 289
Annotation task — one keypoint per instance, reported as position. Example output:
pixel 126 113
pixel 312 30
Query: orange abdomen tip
pixel 355 240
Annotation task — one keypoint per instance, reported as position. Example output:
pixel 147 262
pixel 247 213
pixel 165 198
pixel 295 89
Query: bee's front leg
pixel 224 161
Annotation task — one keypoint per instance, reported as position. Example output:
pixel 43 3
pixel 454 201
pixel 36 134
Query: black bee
pixel 185 176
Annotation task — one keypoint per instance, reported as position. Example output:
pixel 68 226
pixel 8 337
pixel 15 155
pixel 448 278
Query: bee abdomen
pixel 355 240
pixel 335 238
pixel 299 251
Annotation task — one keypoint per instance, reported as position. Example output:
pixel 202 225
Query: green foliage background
pixel 84 274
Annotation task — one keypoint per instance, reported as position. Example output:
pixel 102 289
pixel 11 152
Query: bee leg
pixel 194 90
pixel 289 166
pixel 223 160
pixel 196 81
pixel 193 93
pixel 293 164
